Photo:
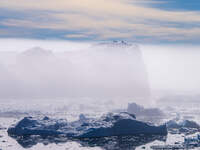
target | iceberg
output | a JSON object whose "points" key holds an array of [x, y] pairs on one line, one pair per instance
{"points": [[106, 70], [182, 126], [134, 108], [152, 115], [112, 124]]}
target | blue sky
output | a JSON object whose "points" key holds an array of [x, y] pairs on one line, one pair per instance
{"points": [[178, 5], [143, 21]]}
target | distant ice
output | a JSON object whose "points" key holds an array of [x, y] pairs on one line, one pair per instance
{"points": [[153, 115]]}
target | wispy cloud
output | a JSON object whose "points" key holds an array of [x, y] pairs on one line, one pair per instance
{"points": [[104, 19]]}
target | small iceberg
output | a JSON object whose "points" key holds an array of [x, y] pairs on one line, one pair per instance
{"points": [[182, 126]]}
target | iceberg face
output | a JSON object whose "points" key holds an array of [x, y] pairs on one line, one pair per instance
{"points": [[121, 124], [33, 126], [36, 51]]}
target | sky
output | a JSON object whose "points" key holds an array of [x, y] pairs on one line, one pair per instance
{"points": [[142, 21]]}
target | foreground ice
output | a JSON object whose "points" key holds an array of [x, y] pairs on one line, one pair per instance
{"points": [[87, 131], [62, 142], [182, 126], [108, 125]]}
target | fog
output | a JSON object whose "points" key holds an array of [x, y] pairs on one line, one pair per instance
{"points": [[101, 70], [173, 68], [63, 69]]}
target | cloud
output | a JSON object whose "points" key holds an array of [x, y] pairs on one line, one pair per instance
{"points": [[76, 36], [104, 19], [105, 8], [110, 30]]}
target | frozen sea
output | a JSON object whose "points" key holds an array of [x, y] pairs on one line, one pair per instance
{"points": [[11, 111]]}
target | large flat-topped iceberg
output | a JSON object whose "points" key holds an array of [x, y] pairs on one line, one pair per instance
{"points": [[105, 70], [117, 44]]}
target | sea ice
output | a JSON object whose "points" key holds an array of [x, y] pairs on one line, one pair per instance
{"points": [[112, 124]]}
